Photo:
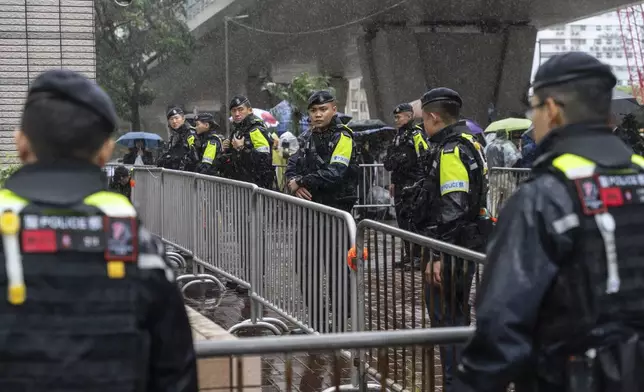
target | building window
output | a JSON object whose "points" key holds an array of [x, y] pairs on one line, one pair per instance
{"points": [[552, 41], [598, 41], [598, 27], [619, 55], [598, 55], [578, 41], [609, 41], [609, 55], [354, 105], [629, 55], [363, 106], [582, 27], [609, 28]]}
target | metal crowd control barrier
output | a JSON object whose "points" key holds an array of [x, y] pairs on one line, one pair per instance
{"points": [[503, 182], [373, 189], [395, 293], [258, 239], [303, 274], [320, 363]]}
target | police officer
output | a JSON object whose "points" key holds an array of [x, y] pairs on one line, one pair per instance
{"points": [[210, 142], [452, 195], [183, 150], [561, 306], [250, 146], [88, 300], [403, 161], [324, 170], [121, 181]]}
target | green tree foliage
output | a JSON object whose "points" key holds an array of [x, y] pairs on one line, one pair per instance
{"points": [[297, 94], [130, 40]]}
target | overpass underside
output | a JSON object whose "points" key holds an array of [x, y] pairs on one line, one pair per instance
{"points": [[481, 48]]}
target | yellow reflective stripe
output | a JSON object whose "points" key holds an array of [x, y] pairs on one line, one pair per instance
{"points": [[419, 142], [259, 142], [16, 289], [9, 200], [191, 140], [574, 166], [343, 150], [112, 204], [453, 173], [638, 160], [210, 153]]}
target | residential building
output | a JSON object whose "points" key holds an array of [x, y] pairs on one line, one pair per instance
{"points": [[600, 36], [357, 106]]}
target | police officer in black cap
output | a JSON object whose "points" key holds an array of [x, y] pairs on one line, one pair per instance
{"points": [[447, 208], [210, 142], [324, 170], [249, 153], [403, 161], [561, 306], [183, 147], [88, 302]]}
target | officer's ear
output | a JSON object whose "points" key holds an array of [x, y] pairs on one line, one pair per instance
{"points": [[105, 152], [23, 146], [554, 111]]}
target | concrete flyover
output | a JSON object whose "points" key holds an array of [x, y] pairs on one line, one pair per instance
{"points": [[482, 48]]}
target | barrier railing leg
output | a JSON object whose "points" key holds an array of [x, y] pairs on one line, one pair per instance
{"points": [[258, 325]]}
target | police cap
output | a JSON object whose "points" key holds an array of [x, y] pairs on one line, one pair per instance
{"points": [[403, 108], [566, 67], [205, 117], [173, 112], [441, 94], [120, 172], [238, 100], [76, 88], [320, 98]]}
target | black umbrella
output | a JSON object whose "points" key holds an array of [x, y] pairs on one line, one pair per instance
{"points": [[623, 104]]}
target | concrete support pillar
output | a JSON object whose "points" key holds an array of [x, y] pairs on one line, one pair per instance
{"points": [[484, 67], [514, 79], [392, 69], [341, 86], [254, 91]]}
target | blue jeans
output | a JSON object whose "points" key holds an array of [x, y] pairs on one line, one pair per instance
{"points": [[451, 309]]}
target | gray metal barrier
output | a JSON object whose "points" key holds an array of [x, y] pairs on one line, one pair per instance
{"points": [[395, 293], [373, 192], [258, 239], [322, 363], [302, 272], [503, 182]]}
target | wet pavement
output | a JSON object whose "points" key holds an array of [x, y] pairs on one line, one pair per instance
{"points": [[393, 300]]}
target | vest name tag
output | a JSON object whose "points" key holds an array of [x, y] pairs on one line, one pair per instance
{"points": [[598, 193], [54, 233], [621, 180], [51, 222]]}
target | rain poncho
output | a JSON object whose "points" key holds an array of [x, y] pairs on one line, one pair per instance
{"points": [[528, 149], [501, 152]]}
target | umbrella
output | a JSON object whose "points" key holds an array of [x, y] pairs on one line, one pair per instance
{"points": [[509, 124], [267, 117], [474, 127], [623, 104], [151, 140]]}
